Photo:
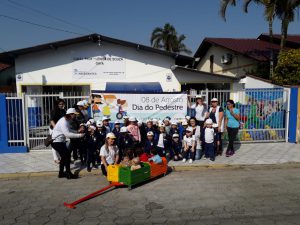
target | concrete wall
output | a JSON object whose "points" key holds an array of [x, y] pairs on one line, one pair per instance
{"points": [[54, 67], [239, 64]]}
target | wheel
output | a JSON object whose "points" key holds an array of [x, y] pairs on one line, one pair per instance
{"points": [[119, 116]]}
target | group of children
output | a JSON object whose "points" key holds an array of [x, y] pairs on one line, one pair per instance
{"points": [[136, 142]]}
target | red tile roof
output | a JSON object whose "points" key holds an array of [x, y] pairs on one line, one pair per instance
{"points": [[253, 48], [291, 38], [3, 66]]}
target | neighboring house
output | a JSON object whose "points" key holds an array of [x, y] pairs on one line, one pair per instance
{"points": [[97, 62], [236, 56], [232, 56]]}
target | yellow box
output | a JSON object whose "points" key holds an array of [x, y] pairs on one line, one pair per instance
{"points": [[113, 173]]}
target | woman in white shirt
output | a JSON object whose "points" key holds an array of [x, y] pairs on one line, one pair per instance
{"points": [[200, 110], [109, 153], [60, 132]]}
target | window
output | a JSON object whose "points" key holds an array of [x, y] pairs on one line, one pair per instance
{"points": [[211, 63]]}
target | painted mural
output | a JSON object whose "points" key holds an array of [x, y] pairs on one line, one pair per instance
{"points": [[262, 115]]}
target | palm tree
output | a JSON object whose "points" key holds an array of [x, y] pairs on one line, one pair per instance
{"points": [[166, 38], [285, 11]]}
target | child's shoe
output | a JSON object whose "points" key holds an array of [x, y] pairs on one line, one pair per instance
{"points": [[184, 160], [190, 161], [89, 170], [204, 157]]}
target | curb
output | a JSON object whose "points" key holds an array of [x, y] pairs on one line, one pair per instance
{"points": [[173, 168]]}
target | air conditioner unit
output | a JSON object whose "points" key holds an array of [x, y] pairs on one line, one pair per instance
{"points": [[226, 58]]}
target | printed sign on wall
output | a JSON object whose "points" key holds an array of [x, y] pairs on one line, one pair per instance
{"points": [[142, 106], [94, 65]]}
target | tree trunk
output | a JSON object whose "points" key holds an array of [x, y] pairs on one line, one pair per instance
{"points": [[284, 29], [271, 49]]}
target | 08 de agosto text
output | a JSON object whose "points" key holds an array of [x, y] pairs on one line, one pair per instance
{"points": [[159, 103]]}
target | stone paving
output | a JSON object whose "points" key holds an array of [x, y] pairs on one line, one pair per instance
{"points": [[249, 196], [247, 154]]}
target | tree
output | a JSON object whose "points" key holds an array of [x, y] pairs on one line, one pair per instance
{"points": [[287, 71], [285, 11], [166, 38], [282, 9]]}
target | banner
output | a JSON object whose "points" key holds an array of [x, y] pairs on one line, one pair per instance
{"points": [[94, 65], [142, 106]]}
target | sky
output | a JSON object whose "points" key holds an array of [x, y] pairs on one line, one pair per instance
{"points": [[129, 20]]}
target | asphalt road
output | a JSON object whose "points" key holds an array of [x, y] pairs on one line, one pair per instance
{"points": [[207, 196]]}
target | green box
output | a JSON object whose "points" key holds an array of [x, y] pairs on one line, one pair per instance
{"points": [[129, 177]]}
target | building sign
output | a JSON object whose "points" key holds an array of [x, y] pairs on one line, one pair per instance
{"points": [[142, 106], [89, 66]]}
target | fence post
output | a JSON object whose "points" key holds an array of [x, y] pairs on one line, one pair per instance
{"points": [[293, 115], [4, 148]]}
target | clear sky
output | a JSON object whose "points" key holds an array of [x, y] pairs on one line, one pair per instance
{"points": [[130, 20]]}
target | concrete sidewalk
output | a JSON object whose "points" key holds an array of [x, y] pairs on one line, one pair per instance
{"points": [[247, 154]]}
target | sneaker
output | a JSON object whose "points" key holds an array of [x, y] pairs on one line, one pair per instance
{"points": [[95, 168], [190, 161], [184, 160], [204, 158], [211, 160]]}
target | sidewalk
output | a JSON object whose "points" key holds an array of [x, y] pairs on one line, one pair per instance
{"points": [[247, 154]]}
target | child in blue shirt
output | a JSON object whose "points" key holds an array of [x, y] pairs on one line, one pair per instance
{"points": [[155, 157]]}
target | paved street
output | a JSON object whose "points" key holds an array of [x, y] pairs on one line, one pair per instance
{"points": [[252, 195], [247, 154]]}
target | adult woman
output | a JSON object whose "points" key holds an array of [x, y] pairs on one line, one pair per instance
{"points": [[200, 110], [62, 131], [232, 125], [196, 132], [216, 114], [109, 153], [57, 113]]}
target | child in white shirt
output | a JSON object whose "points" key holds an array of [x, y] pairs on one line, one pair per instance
{"points": [[189, 145], [209, 138]]}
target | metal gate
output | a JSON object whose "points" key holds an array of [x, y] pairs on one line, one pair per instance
{"points": [[263, 112], [38, 108]]}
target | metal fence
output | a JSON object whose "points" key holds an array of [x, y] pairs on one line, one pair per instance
{"points": [[263, 112]]}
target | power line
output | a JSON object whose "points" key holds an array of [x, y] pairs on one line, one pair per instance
{"points": [[39, 25], [48, 15]]}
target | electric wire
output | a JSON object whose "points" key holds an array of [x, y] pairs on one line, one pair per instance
{"points": [[39, 25], [48, 15]]}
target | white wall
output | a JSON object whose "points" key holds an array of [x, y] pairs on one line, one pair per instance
{"points": [[239, 64], [54, 67], [251, 82]]}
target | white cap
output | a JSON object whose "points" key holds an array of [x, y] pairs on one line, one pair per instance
{"points": [[110, 135], [132, 119], [125, 117], [99, 123], [175, 135], [154, 121], [71, 111], [140, 122], [209, 121], [198, 96], [173, 122], [88, 123], [82, 124], [85, 102], [161, 124], [188, 117], [150, 133], [148, 121], [166, 119], [117, 122], [92, 127], [80, 103], [215, 125], [124, 130], [92, 120], [190, 129], [184, 123], [214, 100], [105, 118]]}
